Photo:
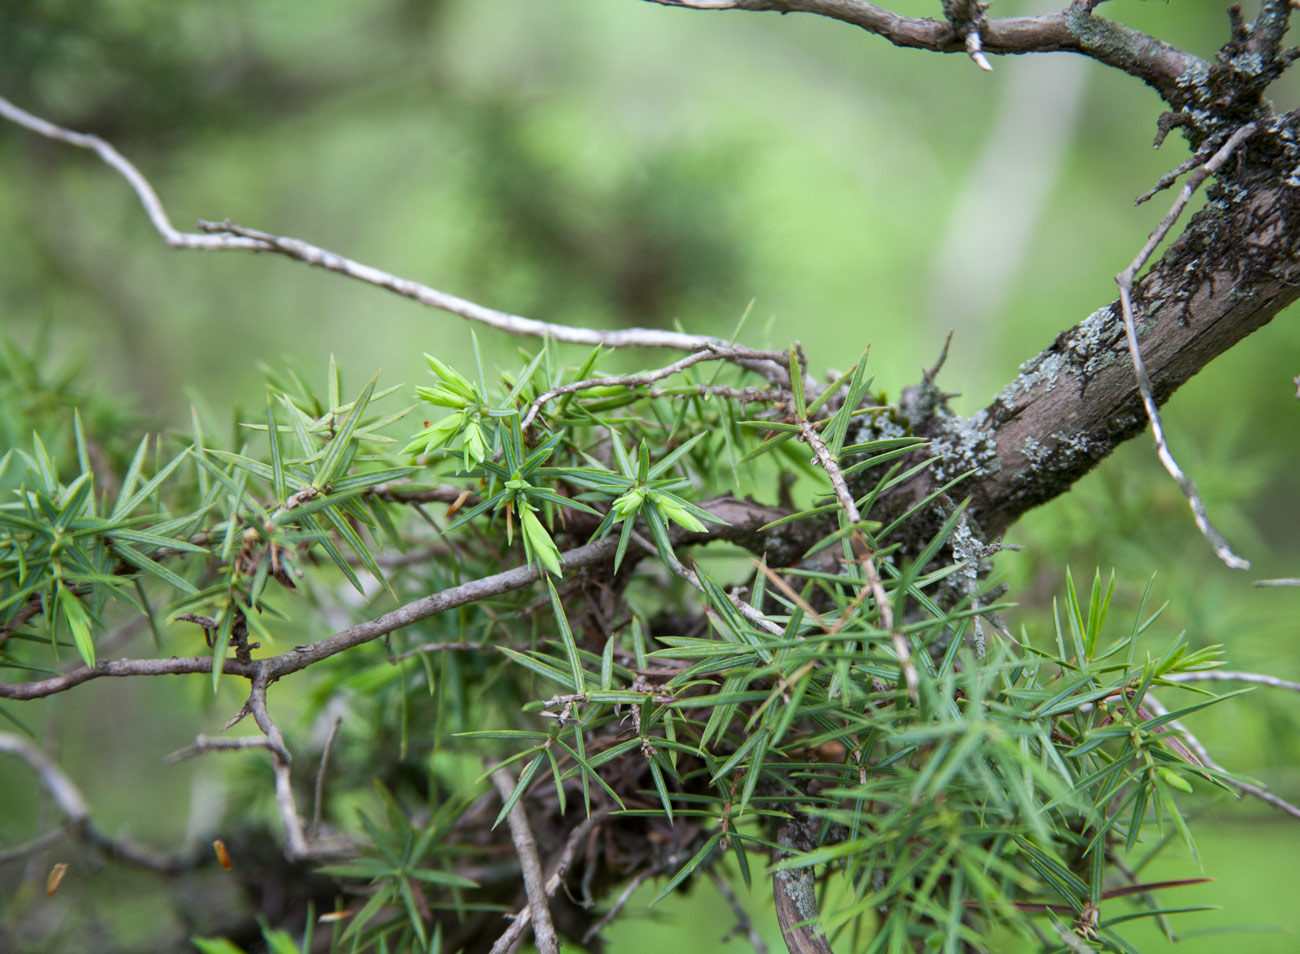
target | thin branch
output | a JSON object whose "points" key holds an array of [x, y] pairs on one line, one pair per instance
{"points": [[319, 798], [865, 557], [1198, 747], [744, 923], [526, 847], [205, 743], [1074, 29], [559, 869], [647, 378], [1173, 175], [741, 518], [641, 877], [62, 789], [224, 236], [1125, 281], [296, 847], [1219, 675]]}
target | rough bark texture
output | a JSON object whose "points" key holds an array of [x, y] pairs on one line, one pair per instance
{"points": [[1230, 272]]}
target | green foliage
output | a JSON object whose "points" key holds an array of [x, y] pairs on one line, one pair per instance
{"points": [[1006, 786]]}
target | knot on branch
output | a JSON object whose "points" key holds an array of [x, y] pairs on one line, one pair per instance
{"points": [[1229, 92], [968, 22]]}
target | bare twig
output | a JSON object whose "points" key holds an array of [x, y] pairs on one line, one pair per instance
{"points": [[526, 847], [62, 789], [1219, 675], [1074, 29], [865, 557], [205, 743], [1125, 281], [223, 236], [1198, 747], [640, 878], [295, 836], [744, 923], [559, 869], [1173, 175], [319, 796]]}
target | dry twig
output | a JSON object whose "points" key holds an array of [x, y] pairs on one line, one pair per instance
{"points": [[865, 557], [522, 835], [227, 236], [1125, 281]]}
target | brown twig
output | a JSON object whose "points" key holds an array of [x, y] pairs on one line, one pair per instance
{"points": [[741, 517], [1074, 29], [1125, 281], [296, 847], [559, 869], [865, 557], [204, 744], [526, 848]]}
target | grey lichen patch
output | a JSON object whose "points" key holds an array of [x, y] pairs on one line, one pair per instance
{"points": [[964, 446], [1081, 352], [801, 887], [1034, 451], [1195, 77]]}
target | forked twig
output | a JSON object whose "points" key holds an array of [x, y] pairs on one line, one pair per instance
{"points": [[559, 869], [1125, 281]]}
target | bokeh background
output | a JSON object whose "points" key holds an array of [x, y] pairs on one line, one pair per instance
{"points": [[610, 163]]}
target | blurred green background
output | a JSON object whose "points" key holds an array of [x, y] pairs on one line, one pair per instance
{"points": [[614, 162]]}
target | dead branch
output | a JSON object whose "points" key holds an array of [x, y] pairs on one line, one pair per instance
{"points": [[526, 847], [226, 236], [1125, 281]]}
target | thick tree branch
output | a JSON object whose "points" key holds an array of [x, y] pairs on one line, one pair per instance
{"points": [[1231, 271], [1075, 29]]}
